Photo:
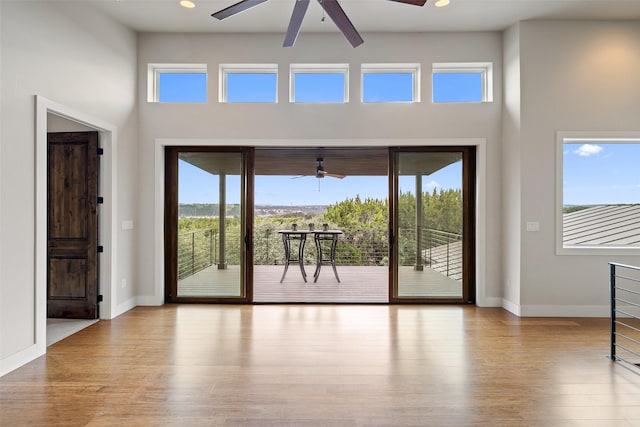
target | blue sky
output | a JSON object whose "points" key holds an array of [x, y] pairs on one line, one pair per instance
{"points": [[601, 173]]}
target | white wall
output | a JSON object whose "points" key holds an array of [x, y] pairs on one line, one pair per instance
{"points": [[575, 76], [78, 59], [511, 170], [349, 122], [59, 124]]}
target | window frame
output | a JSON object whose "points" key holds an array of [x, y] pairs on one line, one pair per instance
{"points": [[413, 69], [484, 68], [226, 69], [585, 137], [318, 69], [153, 80]]}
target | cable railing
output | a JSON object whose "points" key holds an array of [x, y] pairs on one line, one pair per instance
{"points": [[624, 281], [440, 250]]}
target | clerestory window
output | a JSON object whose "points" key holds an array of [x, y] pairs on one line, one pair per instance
{"points": [[177, 83], [390, 83], [462, 82]]}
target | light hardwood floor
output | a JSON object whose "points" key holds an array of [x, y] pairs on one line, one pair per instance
{"points": [[326, 365]]}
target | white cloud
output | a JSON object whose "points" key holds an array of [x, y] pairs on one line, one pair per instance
{"points": [[432, 184], [588, 150]]}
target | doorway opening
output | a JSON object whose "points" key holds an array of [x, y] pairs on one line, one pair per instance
{"points": [[341, 190], [49, 115]]}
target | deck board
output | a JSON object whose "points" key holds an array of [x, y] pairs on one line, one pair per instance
{"points": [[359, 284]]}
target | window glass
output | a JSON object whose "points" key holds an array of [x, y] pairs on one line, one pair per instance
{"points": [[319, 87], [181, 86], [457, 87], [462, 82], [319, 83], [251, 87], [600, 193], [387, 86]]}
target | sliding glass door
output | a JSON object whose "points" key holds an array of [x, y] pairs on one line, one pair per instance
{"points": [[427, 246], [433, 224], [207, 224]]}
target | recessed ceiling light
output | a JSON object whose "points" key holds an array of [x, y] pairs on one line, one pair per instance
{"points": [[188, 4], [442, 3]]}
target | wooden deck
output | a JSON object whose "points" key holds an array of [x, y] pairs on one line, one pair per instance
{"points": [[359, 284]]}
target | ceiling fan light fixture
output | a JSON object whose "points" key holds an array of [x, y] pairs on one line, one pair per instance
{"points": [[187, 4], [442, 3]]}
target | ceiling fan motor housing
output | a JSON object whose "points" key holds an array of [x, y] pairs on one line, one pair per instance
{"points": [[320, 169]]}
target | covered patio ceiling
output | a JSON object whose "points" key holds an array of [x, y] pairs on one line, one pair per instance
{"points": [[302, 161]]}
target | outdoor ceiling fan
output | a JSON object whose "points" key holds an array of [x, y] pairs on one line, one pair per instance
{"points": [[321, 173], [331, 7]]}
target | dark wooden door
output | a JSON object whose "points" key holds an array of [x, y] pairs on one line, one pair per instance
{"points": [[72, 230]]}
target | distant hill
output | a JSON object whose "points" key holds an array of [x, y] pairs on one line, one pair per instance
{"points": [[199, 210]]}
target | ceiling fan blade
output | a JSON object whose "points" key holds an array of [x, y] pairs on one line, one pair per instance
{"points": [[236, 8], [321, 173], [337, 15], [335, 175], [299, 11], [413, 2]]}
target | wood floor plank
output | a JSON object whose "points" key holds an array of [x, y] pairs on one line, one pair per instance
{"points": [[325, 365]]}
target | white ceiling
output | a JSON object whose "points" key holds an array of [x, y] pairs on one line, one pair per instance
{"points": [[366, 15]]}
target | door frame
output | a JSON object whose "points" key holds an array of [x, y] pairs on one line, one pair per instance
{"points": [[469, 223], [107, 225], [171, 220], [481, 298]]}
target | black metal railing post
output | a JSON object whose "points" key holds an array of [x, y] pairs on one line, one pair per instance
{"points": [[193, 252], [612, 286], [267, 234], [211, 247], [448, 241], [215, 246]]}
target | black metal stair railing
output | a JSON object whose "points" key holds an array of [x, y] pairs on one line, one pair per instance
{"points": [[624, 281]]}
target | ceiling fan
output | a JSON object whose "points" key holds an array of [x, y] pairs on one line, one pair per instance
{"points": [[321, 173], [331, 7]]}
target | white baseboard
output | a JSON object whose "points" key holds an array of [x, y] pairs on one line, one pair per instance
{"points": [[556, 310], [511, 307], [489, 302], [19, 359], [565, 310], [150, 301], [124, 307]]}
